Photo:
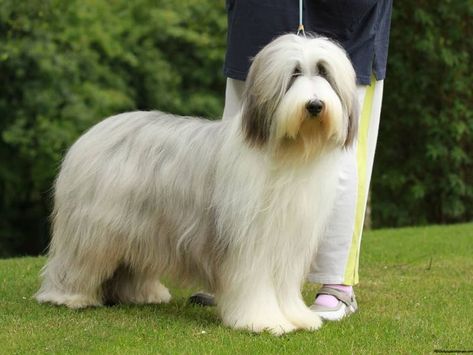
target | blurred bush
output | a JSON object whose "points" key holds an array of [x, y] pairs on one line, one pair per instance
{"points": [[65, 65]]}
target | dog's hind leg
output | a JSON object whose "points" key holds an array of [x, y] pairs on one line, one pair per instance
{"points": [[130, 286], [74, 285], [76, 271]]}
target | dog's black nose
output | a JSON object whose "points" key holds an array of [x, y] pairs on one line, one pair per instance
{"points": [[314, 107]]}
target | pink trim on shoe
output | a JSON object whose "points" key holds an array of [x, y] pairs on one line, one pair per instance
{"points": [[347, 304]]}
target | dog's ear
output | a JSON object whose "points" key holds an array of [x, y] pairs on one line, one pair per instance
{"points": [[353, 119], [265, 87], [255, 117], [256, 108]]}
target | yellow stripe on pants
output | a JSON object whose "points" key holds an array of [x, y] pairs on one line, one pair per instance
{"points": [[351, 269]]}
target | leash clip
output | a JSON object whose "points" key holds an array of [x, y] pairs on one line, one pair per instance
{"points": [[300, 29]]}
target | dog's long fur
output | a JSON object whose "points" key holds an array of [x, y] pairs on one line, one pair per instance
{"points": [[236, 205]]}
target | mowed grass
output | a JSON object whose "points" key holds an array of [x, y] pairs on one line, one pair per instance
{"points": [[415, 296]]}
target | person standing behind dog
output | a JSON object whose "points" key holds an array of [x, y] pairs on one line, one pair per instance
{"points": [[362, 28]]}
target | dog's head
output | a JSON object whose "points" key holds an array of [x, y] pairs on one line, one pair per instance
{"points": [[300, 94]]}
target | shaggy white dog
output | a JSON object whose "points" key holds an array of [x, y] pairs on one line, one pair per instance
{"points": [[236, 205]]}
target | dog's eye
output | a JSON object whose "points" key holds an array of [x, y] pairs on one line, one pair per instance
{"points": [[295, 74], [321, 70], [297, 71]]}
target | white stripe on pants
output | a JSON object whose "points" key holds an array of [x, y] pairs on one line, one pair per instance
{"points": [[336, 261]]}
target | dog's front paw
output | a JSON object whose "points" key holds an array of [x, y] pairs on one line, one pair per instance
{"points": [[158, 294], [150, 293], [306, 319], [278, 328], [301, 316], [281, 329], [274, 326]]}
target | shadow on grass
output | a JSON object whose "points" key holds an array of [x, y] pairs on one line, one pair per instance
{"points": [[178, 310]]}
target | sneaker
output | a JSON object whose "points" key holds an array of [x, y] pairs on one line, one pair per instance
{"points": [[346, 304], [202, 299]]}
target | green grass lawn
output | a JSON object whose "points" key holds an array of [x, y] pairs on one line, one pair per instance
{"points": [[415, 296]]}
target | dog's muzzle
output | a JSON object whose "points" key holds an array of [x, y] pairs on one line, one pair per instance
{"points": [[314, 107]]}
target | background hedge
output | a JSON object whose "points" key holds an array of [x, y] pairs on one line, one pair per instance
{"points": [[64, 65], [424, 163]]}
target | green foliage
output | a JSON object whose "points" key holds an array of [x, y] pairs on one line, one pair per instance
{"points": [[64, 65], [424, 167]]}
